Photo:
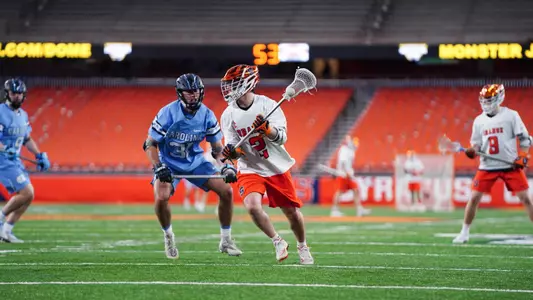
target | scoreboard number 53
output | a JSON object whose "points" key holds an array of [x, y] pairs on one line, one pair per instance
{"points": [[266, 54]]}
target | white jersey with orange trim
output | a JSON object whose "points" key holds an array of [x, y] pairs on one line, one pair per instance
{"points": [[345, 160], [497, 137], [262, 156], [413, 168]]}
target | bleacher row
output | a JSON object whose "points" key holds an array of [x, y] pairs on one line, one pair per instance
{"points": [[86, 129], [243, 22]]}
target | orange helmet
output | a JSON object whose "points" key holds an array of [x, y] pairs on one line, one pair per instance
{"points": [[238, 81], [491, 96]]}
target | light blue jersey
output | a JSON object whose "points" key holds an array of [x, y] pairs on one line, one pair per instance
{"points": [[179, 135], [14, 130]]}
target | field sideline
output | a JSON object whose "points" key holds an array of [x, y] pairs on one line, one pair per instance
{"points": [[114, 252]]}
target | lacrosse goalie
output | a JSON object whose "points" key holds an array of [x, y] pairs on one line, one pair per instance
{"points": [[346, 182], [495, 132], [15, 132], [263, 162], [173, 147], [413, 169]]}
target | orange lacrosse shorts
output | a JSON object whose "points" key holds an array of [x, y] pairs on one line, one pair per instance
{"points": [[344, 184], [279, 188], [414, 186], [515, 180]]}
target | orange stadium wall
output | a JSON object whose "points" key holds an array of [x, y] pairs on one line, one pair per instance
{"points": [[131, 189]]}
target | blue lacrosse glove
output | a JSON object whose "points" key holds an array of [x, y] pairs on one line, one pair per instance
{"points": [[43, 163], [230, 173], [11, 153]]}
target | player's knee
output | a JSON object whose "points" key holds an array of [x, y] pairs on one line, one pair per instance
{"points": [[226, 193], [252, 203], [291, 213], [162, 195], [476, 197], [28, 193], [524, 198]]}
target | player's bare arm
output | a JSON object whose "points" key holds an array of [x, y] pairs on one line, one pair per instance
{"points": [[31, 145], [151, 150]]}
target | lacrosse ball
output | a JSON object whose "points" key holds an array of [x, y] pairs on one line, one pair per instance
{"points": [[289, 92]]}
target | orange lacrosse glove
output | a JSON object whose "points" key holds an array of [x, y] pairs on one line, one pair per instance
{"points": [[471, 153], [521, 160], [262, 125], [231, 153]]}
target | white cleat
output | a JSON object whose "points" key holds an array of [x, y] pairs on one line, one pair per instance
{"points": [[281, 250], [363, 212], [228, 246], [9, 237], [170, 246], [305, 256], [336, 213], [462, 238]]}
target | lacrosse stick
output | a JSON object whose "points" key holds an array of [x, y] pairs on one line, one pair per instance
{"points": [[198, 176], [446, 145], [331, 171], [304, 80], [25, 158]]}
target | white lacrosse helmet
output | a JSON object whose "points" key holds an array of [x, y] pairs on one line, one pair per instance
{"points": [[238, 81], [491, 97]]}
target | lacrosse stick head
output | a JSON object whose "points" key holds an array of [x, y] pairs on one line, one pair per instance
{"points": [[304, 80], [447, 146]]}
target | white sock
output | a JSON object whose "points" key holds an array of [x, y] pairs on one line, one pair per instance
{"points": [[8, 227], [2, 217], [466, 229], [168, 230], [302, 244], [276, 238], [225, 233]]}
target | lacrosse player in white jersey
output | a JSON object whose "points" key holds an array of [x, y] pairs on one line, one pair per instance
{"points": [[263, 162], [346, 183], [495, 132], [413, 169]]}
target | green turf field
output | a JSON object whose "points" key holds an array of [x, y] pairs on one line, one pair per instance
{"points": [[105, 258]]}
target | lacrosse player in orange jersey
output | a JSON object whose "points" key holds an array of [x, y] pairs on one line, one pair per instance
{"points": [[345, 160], [413, 169], [263, 162], [495, 133]]}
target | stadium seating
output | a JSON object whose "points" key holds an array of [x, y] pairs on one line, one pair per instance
{"points": [[312, 21], [400, 119], [104, 128]]}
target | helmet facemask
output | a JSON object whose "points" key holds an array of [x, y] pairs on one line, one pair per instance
{"points": [[16, 87], [190, 83], [491, 97], [238, 81]]}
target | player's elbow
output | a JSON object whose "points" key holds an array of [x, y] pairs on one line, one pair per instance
{"points": [[149, 143], [525, 141], [281, 137]]}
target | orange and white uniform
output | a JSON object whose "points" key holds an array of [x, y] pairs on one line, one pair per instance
{"points": [[265, 165], [413, 169], [497, 137], [345, 160]]}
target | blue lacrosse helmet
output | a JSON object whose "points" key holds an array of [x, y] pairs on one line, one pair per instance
{"points": [[16, 86], [190, 82]]}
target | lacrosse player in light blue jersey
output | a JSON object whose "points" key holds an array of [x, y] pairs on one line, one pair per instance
{"points": [[15, 132], [173, 148]]}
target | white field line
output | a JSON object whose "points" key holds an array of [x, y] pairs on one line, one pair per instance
{"points": [[265, 284], [88, 249], [78, 264], [265, 241]]}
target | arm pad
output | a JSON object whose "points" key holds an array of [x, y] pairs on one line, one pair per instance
{"points": [[26, 140], [281, 137], [525, 141], [149, 143]]}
